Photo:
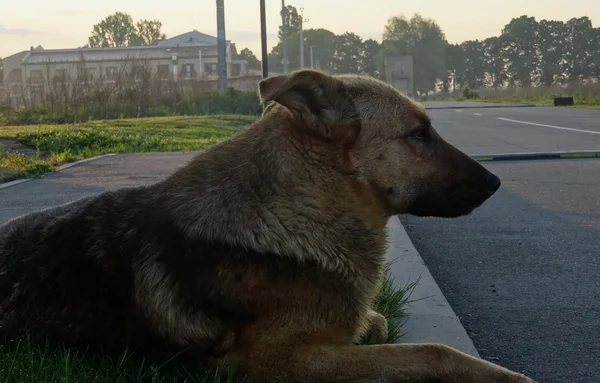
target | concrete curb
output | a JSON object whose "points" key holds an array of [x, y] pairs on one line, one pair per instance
{"points": [[568, 154], [480, 106], [62, 167], [430, 319]]}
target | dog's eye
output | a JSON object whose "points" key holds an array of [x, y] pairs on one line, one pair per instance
{"points": [[421, 135]]}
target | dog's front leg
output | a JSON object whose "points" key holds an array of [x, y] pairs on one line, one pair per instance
{"points": [[397, 363]]}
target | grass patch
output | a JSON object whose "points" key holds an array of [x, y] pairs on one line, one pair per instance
{"points": [[23, 363], [59, 144], [588, 102]]}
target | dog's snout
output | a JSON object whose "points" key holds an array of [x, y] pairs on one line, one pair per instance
{"points": [[492, 182]]}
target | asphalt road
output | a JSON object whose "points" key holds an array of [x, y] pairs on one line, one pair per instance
{"points": [[522, 271], [494, 130]]}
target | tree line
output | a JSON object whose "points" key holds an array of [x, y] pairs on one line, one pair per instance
{"points": [[526, 53]]}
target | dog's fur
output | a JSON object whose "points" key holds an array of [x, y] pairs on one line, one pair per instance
{"points": [[264, 253]]}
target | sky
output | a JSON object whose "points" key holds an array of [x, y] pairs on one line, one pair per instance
{"points": [[68, 23]]}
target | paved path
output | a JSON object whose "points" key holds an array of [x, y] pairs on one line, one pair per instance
{"points": [[87, 179], [522, 271]]}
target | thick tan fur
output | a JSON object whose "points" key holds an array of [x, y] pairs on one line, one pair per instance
{"points": [[284, 233]]}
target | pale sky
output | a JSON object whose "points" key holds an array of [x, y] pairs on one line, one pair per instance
{"points": [[68, 23]]}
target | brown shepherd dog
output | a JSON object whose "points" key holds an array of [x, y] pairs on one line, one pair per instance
{"points": [[264, 253]]}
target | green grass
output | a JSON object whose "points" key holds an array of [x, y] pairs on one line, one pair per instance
{"points": [[585, 102], [59, 144], [23, 362], [588, 102]]}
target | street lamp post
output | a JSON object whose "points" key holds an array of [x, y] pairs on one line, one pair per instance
{"points": [[263, 38], [284, 36], [302, 21], [222, 64]]}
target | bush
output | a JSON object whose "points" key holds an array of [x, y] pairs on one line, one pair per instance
{"points": [[231, 102], [467, 93]]}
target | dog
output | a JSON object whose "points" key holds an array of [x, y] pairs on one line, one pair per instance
{"points": [[263, 253]]}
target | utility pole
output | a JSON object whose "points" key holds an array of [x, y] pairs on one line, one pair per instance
{"points": [[263, 38], [284, 36], [222, 59], [312, 62], [302, 21]]}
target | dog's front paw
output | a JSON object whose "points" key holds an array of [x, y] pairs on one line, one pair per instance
{"points": [[378, 328], [515, 377]]}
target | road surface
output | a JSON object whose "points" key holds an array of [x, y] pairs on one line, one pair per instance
{"points": [[522, 271]]}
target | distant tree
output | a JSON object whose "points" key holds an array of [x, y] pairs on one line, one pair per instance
{"points": [[348, 55], [323, 42], [455, 68], [147, 32], [1, 72], [424, 40], [521, 45], [370, 58], [493, 58], [253, 61], [119, 30], [473, 64], [580, 53], [115, 30], [294, 22]]}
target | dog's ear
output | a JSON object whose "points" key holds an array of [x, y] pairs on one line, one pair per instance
{"points": [[321, 103]]}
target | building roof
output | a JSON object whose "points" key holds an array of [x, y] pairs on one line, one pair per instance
{"points": [[161, 50], [190, 38]]}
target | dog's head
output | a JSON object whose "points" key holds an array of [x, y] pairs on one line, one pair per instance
{"points": [[385, 140]]}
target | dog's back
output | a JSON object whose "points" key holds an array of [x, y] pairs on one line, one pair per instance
{"points": [[63, 275]]}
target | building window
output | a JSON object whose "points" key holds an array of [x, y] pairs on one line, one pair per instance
{"points": [[236, 70], [86, 74], [15, 75], [60, 73], [137, 72], [36, 75], [187, 70], [111, 73], [163, 71], [210, 68]]}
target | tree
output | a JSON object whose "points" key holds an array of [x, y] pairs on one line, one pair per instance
{"points": [[148, 32], [348, 55], [370, 58], [579, 52], [293, 22], [494, 63], [118, 30], [1, 72], [521, 46], [473, 65], [253, 61], [455, 68], [323, 42], [424, 40]]}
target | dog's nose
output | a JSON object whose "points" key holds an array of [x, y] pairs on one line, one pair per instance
{"points": [[492, 182]]}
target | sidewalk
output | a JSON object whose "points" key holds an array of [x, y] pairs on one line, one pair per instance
{"points": [[430, 318]]}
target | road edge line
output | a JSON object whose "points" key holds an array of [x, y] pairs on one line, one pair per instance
{"points": [[566, 154], [429, 316], [62, 167]]}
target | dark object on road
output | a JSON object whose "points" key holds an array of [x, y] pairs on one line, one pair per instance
{"points": [[563, 101], [264, 253]]}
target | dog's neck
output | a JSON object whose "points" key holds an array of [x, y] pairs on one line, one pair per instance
{"points": [[257, 191]]}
